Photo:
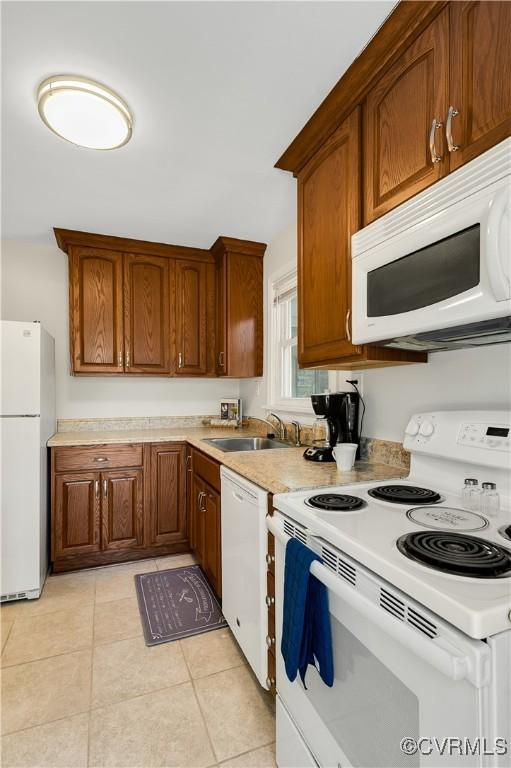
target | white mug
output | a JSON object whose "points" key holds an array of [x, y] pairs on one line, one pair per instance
{"points": [[344, 455]]}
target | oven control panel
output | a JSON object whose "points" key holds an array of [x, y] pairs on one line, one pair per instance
{"points": [[495, 437]]}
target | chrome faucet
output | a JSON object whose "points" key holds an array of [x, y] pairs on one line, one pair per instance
{"points": [[298, 432], [264, 421], [281, 426]]}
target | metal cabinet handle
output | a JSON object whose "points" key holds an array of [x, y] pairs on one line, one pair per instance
{"points": [[435, 158], [221, 356], [120, 359], [105, 489], [96, 486], [451, 146], [270, 682], [127, 359], [180, 360], [201, 495], [100, 459], [348, 332], [269, 601], [189, 462], [270, 641], [270, 559]]}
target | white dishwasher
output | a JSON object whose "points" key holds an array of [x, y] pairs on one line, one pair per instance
{"points": [[244, 547]]}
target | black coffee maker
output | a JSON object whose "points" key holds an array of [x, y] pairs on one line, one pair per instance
{"points": [[341, 413]]}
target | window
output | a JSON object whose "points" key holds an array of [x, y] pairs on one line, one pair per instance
{"points": [[290, 386]]}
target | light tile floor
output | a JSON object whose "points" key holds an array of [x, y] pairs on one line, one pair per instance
{"points": [[80, 688]]}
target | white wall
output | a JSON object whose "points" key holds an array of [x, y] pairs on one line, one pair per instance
{"points": [[471, 378], [35, 287]]}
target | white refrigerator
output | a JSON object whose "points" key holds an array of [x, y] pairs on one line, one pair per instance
{"points": [[27, 421]]}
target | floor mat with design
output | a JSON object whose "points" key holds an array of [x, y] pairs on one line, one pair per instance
{"points": [[176, 603]]}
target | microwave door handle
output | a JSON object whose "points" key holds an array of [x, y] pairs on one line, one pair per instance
{"points": [[498, 234], [449, 661]]}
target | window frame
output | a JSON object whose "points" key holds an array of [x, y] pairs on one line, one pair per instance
{"points": [[289, 405]]}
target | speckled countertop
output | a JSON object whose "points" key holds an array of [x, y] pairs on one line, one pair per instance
{"points": [[277, 471]]}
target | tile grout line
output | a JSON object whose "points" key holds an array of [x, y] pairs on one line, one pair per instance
{"points": [[91, 678], [247, 752], [201, 713]]}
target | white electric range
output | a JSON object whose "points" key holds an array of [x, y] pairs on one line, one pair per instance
{"points": [[420, 603]]}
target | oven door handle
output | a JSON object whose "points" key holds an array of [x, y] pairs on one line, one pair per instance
{"points": [[447, 659], [498, 232]]}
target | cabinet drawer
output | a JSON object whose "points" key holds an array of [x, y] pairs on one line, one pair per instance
{"points": [[97, 457], [208, 469]]}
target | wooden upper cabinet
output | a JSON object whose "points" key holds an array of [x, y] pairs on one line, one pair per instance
{"points": [[239, 307], [168, 494], [328, 214], [96, 310], [399, 114], [480, 77], [191, 315], [122, 509], [146, 314]]}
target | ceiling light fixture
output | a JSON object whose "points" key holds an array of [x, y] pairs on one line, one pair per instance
{"points": [[84, 112]]}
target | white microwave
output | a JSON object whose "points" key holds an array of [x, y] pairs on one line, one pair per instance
{"points": [[435, 273]]}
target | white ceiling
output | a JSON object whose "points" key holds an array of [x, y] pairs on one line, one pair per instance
{"points": [[218, 91]]}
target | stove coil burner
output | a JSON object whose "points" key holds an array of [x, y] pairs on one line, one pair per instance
{"points": [[404, 494], [505, 531], [456, 553], [335, 502]]}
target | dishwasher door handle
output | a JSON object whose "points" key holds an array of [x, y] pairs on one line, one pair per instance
{"points": [[238, 496]]}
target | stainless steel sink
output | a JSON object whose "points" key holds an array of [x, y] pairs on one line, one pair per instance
{"points": [[246, 443]]}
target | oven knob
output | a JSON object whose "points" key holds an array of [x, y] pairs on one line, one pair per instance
{"points": [[412, 428], [427, 429]]}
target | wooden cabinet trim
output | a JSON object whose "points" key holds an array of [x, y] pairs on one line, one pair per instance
{"points": [[68, 238]]}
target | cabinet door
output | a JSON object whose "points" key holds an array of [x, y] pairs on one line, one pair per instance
{"points": [[96, 310], [328, 214], [198, 516], [168, 493], [211, 561], [244, 353], [76, 523], [400, 110], [146, 313], [191, 318], [190, 508], [480, 35], [122, 509]]}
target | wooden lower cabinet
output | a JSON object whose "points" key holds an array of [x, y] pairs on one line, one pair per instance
{"points": [[168, 504], [168, 494], [205, 517], [212, 557], [121, 513], [76, 515], [122, 509]]}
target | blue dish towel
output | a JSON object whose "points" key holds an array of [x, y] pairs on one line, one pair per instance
{"points": [[306, 632]]}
